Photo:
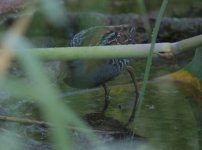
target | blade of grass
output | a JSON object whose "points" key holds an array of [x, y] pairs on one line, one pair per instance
{"points": [[17, 88], [46, 96], [54, 110], [143, 11], [9, 141], [149, 59]]}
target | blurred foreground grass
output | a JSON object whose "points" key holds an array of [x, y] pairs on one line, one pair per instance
{"points": [[39, 88]]}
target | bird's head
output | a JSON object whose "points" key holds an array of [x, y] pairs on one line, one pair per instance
{"points": [[105, 35]]}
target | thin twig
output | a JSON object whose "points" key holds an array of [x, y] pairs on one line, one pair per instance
{"points": [[43, 123], [23, 120]]}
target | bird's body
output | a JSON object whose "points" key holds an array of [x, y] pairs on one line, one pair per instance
{"points": [[92, 73]]}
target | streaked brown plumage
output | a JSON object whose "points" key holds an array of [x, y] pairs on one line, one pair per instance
{"points": [[93, 73]]}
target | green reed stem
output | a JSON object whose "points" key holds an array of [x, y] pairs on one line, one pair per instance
{"points": [[149, 59], [143, 11], [117, 51]]}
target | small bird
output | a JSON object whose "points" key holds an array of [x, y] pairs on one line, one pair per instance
{"points": [[93, 73]]}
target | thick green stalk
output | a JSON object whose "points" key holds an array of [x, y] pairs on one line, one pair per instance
{"points": [[118, 51], [99, 52], [187, 44]]}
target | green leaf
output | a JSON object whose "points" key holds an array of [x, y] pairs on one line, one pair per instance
{"points": [[196, 64]]}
